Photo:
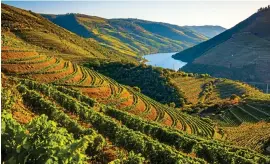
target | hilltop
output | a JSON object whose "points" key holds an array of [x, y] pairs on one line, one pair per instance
{"points": [[131, 36], [207, 30], [43, 35], [241, 52]]}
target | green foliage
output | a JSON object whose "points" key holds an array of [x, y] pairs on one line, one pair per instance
{"points": [[40, 141], [182, 102], [95, 142], [131, 159], [152, 82], [153, 141], [7, 98], [207, 90], [118, 134], [172, 105], [204, 148], [137, 89], [187, 143]]}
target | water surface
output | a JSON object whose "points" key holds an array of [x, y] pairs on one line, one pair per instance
{"points": [[164, 60]]}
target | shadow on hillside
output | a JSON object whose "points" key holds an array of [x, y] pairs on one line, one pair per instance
{"points": [[225, 90]]}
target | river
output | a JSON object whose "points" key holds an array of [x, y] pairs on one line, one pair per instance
{"points": [[164, 60]]}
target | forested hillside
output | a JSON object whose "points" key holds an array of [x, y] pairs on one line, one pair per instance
{"points": [[147, 79]]}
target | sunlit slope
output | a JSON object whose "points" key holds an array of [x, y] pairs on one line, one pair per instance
{"points": [[36, 30], [130, 36], [241, 52], [201, 88], [254, 136], [229, 102], [105, 130], [48, 69]]}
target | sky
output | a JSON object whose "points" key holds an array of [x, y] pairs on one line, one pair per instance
{"points": [[193, 12]]}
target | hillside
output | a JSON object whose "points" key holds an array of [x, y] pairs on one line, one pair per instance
{"points": [[196, 94], [43, 35], [86, 121], [130, 36], [147, 79], [208, 31], [254, 136], [241, 52], [56, 71], [68, 99]]}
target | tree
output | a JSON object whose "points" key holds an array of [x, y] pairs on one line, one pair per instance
{"points": [[172, 104], [137, 89], [182, 101]]}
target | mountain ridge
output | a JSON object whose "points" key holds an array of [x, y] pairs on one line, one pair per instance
{"points": [[240, 53], [131, 35], [38, 31], [208, 30]]}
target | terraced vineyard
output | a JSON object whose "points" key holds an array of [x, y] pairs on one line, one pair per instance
{"points": [[192, 87], [253, 107], [95, 125], [254, 136], [27, 29], [196, 88], [246, 112], [56, 71], [54, 110]]}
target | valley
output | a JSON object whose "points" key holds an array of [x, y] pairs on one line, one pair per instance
{"points": [[83, 89], [134, 36]]}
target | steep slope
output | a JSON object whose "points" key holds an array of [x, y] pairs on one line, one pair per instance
{"points": [[131, 36], [37, 31], [208, 30], [90, 130], [241, 52], [56, 71], [147, 79], [255, 139]]}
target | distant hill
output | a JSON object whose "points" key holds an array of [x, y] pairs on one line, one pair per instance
{"points": [[208, 30], [56, 110], [35, 30], [241, 52], [131, 36]]}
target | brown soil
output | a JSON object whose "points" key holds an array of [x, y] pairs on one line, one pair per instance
{"points": [[99, 92], [15, 55], [54, 76], [22, 114], [167, 120], [152, 115], [23, 68]]}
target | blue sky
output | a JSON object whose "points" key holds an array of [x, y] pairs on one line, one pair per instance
{"points": [[215, 12]]}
